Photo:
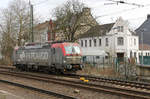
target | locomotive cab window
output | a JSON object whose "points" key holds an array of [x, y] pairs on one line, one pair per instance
{"points": [[72, 50]]}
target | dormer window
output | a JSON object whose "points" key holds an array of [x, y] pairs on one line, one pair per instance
{"points": [[120, 28], [120, 41]]}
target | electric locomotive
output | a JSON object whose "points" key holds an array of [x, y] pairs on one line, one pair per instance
{"points": [[51, 56]]}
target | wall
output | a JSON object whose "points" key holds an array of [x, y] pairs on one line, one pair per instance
{"points": [[41, 35]]}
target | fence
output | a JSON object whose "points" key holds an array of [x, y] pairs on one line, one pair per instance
{"points": [[146, 60], [124, 66], [96, 60]]}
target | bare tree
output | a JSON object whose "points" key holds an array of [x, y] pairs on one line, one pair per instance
{"points": [[14, 26], [7, 40], [68, 18]]}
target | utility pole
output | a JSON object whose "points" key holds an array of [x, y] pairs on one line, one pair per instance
{"points": [[31, 23], [142, 32], [142, 48], [32, 38]]}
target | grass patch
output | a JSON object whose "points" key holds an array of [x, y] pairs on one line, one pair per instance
{"points": [[106, 71], [7, 61]]}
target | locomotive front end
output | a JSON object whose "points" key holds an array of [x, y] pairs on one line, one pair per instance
{"points": [[72, 58]]}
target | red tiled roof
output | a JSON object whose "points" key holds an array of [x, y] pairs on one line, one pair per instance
{"points": [[42, 25], [145, 47]]}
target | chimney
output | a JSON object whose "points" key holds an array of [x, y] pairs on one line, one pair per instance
{"points": [[148, 16], [86, 11], [50, 33]]}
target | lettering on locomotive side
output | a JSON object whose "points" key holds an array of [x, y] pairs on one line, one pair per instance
{"points": [[22, 56], [33, 56]]}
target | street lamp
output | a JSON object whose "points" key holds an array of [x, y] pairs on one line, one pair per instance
{"points": [[142, 47], [142, 31]]}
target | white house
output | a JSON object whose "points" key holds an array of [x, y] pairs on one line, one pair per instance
{"points": [[114, 39]]}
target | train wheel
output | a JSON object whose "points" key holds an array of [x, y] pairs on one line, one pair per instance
{"points": [[18, 68], [58, 71]]}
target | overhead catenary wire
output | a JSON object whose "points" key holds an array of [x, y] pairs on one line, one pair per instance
{"points": [[124, 2], [113, 13], [125, 10], [40, 3], [122, 11], [139, 6]]}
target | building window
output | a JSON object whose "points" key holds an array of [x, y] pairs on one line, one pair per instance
{"points": [[120, 28], [130, 54], [81, 43], [106, 41], [135, 54], [97, 57], [85, 43], [84, 58], [90, 43], [134, 41], [95, 42], [120, 41], [146, 54], [99, 42]]}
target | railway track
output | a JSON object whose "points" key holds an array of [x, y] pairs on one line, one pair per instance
{"points": [[120, 82], [89, 86], [127, 83], [7, 67], [38, 90]]}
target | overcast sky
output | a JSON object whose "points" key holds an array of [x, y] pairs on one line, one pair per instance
{"points": [[101, 9]]}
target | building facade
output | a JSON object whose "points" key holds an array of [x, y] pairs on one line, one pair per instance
{"points": [[40, 32], [144, 31], [144, 54], [86, 20], [114, 39]]}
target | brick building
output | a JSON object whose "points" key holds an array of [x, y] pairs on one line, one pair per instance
{"points": [[41, 30]]}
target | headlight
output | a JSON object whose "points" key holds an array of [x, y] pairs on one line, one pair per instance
{"points": [[81, 66], [69, 66], [64, 61]]}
